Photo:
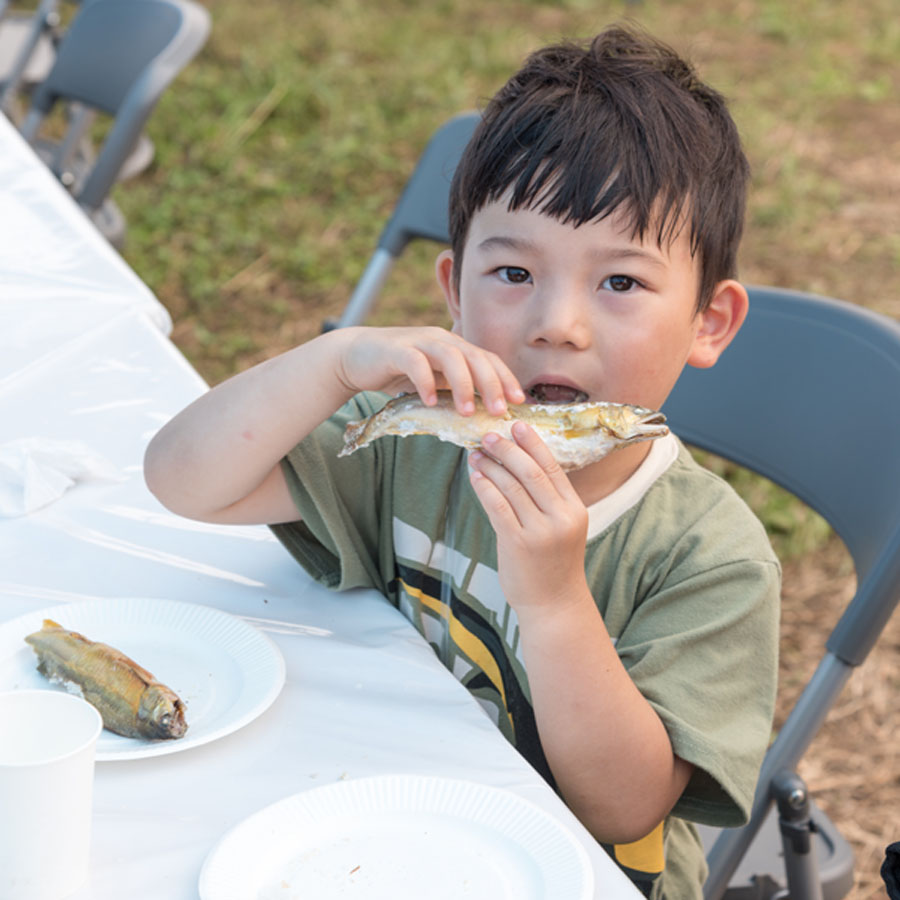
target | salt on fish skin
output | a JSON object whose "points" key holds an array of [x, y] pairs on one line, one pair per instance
{"points": [[577, 434]]}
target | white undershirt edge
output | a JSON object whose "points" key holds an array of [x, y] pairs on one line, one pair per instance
{"points": [[663, 452]]}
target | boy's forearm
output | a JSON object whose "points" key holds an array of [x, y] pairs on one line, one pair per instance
{"points": [[227, 442], [607, 748]]}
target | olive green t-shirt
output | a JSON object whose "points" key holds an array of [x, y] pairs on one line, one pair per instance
{"points": [[685, 580]]}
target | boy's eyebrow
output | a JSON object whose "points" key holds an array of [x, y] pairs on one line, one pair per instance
{"points": [[507, 242], [524, 245], [633, 253]]}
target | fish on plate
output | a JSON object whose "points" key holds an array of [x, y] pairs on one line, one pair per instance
{"points": [[129, 698], [577, 434]]}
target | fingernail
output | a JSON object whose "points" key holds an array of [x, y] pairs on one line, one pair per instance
{"points": [[490, 438], [475, 457], [499, 407], [468, 408]]}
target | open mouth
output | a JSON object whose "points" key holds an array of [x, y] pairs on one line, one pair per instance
{"points": [[555, 393]]}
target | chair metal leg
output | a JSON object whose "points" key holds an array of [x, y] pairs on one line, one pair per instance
{"points": [[795, 736], [367, 289], [797, 829]]}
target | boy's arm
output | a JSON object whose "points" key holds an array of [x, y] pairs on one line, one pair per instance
{"points": [[218, 460], [609, 752]]}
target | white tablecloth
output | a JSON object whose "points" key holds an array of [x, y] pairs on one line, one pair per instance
{"points": [[84, 356]]}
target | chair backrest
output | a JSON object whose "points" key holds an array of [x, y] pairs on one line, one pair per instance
{"points": [[421, 212], [118, 58], [808, 395]]}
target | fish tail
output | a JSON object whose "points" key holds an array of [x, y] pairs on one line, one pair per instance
{"points": [[354, 437]]}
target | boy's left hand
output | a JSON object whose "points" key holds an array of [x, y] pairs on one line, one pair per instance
{"points": [[540, 521]]}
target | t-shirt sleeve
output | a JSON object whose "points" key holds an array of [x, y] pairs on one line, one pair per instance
{"points": [[337, 536], [702, 644]]}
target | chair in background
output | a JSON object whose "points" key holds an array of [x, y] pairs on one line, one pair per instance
{"points": [[28, 45], [806, 396], [421, 212], [117, 57], [27, 49]]}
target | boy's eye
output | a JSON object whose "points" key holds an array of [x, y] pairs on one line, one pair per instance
{"points": [[620, 283], [514, 274]]}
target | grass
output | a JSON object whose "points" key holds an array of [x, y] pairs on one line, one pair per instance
{"points": [[281, 149]]}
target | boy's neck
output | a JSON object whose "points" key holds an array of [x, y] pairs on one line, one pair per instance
{"points": [[600, 479]]}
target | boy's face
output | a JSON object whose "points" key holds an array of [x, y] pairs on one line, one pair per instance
{"points": [[581, 311]]}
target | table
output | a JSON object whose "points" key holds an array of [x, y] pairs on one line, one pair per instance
{"points": [[364, 693]]}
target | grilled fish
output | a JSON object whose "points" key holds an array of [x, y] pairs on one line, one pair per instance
{"points": [[577, 434], [130, 700]]}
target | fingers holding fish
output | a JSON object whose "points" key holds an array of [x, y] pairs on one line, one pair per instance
{"points": [[530, 486], [523, 462], [427, 360], [466, 371], [494, 382], [541, 524], [529, 440]]}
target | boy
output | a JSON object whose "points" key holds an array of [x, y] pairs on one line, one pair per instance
{"points": [[618, 622]]}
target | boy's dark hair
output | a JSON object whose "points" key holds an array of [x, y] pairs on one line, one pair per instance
{"points": [[619, 124]]}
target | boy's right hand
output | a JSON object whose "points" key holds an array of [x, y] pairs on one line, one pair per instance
{"points": [[425, 360]]}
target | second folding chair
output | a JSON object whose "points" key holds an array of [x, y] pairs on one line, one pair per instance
{"points": [[117, 57]]}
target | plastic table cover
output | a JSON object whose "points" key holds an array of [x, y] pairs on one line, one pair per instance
{"points": [[364, 694], [59, 278]]}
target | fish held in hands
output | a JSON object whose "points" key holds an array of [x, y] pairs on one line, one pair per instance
{"points": [[130, 700], [577, 434]]}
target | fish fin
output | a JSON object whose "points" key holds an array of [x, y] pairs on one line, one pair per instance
{"points": [[49, 623]]}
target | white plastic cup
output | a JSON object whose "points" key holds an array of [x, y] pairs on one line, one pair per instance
{"points": [[48, 741]]}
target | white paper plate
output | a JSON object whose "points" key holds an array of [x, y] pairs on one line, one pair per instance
{"points": [[399, 836], [225, 670]]}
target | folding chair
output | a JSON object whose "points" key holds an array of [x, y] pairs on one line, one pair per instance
{"points": [[27, 48], [806, 396], [117, 57]]}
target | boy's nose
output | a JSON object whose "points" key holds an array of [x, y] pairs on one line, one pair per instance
{"points": [[560, 319]]}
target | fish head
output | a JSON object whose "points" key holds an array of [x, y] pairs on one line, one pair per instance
{"points": [[630, 424], [163, 711]]}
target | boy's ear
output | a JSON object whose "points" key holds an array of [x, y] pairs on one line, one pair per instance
{"points": [[719, 323], [443, 269]]}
